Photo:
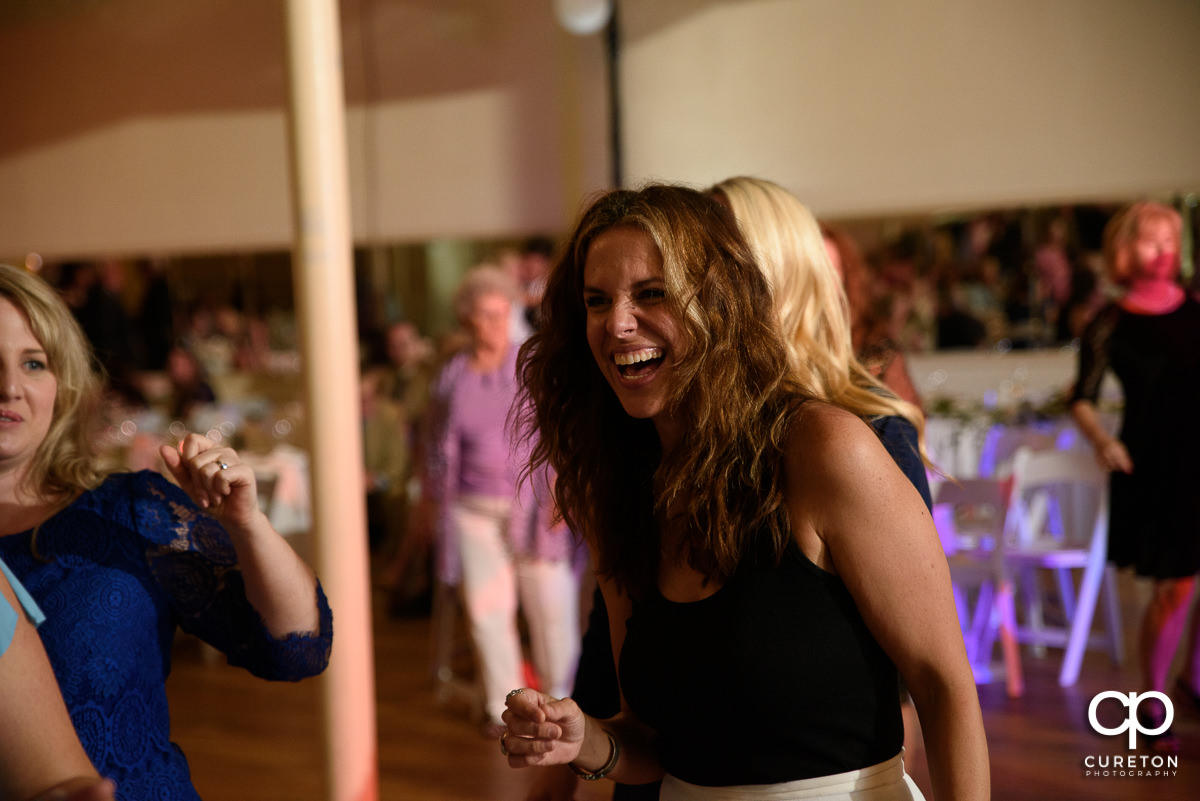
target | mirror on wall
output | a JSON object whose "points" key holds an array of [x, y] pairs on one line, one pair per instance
{"points": [[1004, 279], [993, 280]]}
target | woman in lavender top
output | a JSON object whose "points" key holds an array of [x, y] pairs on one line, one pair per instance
{"points": [[497, 536]]}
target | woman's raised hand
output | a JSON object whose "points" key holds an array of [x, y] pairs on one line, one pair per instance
{"points": [[542, 730], [215, 478]]}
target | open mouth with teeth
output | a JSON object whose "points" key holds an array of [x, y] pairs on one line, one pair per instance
{"points": [[638, 363]]}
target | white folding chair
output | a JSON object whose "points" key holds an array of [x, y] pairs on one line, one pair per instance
{"points": [[970, 516], [1003, 441], [1058, 522]]}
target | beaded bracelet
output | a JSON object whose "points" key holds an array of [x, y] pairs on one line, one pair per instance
{"points": [[608, 766]]}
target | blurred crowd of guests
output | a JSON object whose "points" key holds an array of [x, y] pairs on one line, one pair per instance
{"points": [[153, 348], [1022, 279], [1016, 279], [997, 281], [445, 506]]}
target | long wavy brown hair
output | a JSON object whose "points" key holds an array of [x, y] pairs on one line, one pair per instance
{"points": [[716, 497]]}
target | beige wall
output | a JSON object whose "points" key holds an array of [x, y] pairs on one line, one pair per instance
{"points": [[173, 184], [867, 107], [142, 126]]}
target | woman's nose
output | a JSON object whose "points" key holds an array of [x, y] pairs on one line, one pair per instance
{"points": [[622, 319], [9, 386]]}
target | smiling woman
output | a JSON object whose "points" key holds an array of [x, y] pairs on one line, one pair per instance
{"points": [[636, 275], [630, 327], [736, 523]]}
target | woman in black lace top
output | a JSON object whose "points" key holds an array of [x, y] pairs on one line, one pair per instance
{"points": [[1150, 338]]}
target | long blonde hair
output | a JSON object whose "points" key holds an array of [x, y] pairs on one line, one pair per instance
{"points": [[809, 300]]}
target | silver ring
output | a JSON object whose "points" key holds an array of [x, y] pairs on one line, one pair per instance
{"points": [[222, 465], [503, 749], [511, 693]]}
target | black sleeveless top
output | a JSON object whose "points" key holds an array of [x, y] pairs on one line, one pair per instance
{"points": [[772, 679]]}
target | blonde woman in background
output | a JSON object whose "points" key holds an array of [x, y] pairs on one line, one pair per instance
{"points": [[815, 317]]}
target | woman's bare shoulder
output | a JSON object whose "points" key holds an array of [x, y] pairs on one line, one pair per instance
{"points": [[819, 425], [829, 446]]}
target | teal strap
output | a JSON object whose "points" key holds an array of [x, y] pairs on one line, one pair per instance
{"points": [[8, 616]]}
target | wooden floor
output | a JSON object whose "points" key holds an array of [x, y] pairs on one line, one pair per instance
{"points": [[249, 740]]}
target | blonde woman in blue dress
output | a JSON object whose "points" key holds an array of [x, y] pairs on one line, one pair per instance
{"points": [[119, 561]]}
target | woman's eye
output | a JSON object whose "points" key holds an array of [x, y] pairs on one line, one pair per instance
{"points": [[35, 364], [595, 301], [653, 294]]}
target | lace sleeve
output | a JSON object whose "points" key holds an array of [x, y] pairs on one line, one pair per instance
{"points": [[1093, 355], [193, 560]]}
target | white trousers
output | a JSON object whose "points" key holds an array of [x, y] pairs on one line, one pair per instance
{"points": [[492, 583], [886, 781]]}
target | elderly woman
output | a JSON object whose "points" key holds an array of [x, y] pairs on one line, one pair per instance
{"points": [[119, 561], [498, 535], [1150, 339], [738, 524]]}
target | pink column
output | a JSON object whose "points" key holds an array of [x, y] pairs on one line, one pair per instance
{"points": [[323, 273]]}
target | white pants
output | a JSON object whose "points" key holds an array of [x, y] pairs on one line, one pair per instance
{"points": [[886, 781], [492, 582]]}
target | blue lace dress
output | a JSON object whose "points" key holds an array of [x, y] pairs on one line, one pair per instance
{"points": [[120, 569]]}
